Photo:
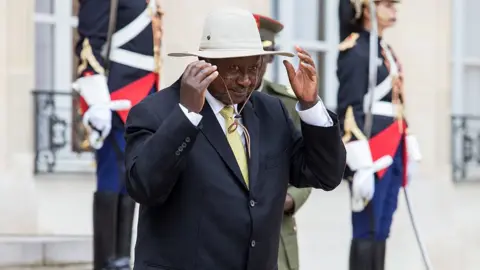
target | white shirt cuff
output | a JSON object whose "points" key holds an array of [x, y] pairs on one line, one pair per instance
{"points": [[315, 116], [194, 117]]}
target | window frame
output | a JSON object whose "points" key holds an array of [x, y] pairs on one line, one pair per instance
{"points": [[458, 37], [459, 60], [64, 23], [284, 11]]}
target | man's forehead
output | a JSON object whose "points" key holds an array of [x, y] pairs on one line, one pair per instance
{"points": [[250, 60]]}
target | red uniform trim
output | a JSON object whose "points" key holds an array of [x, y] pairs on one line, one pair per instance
{"points": [[386, 143], [157, 81], [135, 92], [259, 17]]}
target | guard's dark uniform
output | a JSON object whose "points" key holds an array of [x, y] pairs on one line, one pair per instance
{"points": [[132, 76], [371, 227], [288, 257]]}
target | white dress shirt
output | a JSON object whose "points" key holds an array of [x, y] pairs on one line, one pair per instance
{"points": [[315, 116]]}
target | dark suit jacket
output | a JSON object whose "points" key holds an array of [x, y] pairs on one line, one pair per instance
{"points": [[196, 211], [288, 256]]}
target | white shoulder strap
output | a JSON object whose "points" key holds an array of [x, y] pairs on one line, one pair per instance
{"points": [[134, 28], [390, 58]]}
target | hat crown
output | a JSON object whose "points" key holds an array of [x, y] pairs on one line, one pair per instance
{"points": [[230, 29]]}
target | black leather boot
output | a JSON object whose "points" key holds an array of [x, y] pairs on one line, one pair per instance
{"points": [[126, 208], [380, 247], [105, 207], [362, 254]]}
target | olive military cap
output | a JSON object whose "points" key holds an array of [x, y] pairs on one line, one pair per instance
{"points": [[268, 28]]}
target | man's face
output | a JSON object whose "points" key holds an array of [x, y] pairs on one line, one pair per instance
{"points": [[386, 13], [238, 75]]}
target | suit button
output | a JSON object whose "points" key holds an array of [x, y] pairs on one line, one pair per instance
{"points": [[180, 149], [187, 139], [177, 153], [184, 145], [252, 244], [252, 203]]}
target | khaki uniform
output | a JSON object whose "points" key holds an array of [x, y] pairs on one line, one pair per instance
{"points": [[288, 258]]}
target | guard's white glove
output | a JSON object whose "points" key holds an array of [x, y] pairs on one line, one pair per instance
{"points": [[414, 156], [359, 159], [363, 183], [411, 169], [413, 148], [98, 117]]}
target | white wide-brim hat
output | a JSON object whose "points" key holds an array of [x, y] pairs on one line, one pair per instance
{"points": [[230, 33]]}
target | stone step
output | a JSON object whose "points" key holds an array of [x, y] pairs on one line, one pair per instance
{"points": [[45, 251]]}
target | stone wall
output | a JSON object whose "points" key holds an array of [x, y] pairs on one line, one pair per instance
{"points": [[18, 203]]}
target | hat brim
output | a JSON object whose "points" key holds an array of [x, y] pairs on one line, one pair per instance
{"points": [[220, 54]]}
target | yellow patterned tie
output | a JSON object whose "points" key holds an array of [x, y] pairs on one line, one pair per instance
{"points": [[235, 142]]}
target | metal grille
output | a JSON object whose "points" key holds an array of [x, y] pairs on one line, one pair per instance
{"points": [[465, 148], [55, 133]]}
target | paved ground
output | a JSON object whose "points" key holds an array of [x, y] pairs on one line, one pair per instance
{"points": [[447, 216], [81, 267]]}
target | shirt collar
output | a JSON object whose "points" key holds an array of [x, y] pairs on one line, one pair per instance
{"points": [[215, 104]]}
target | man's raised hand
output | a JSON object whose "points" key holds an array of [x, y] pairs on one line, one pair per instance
{"points": [[304, 80], [195, 80]]}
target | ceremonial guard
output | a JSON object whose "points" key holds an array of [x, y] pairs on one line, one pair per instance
{"points": [[377, 153], [288, 258], [118, 67]]}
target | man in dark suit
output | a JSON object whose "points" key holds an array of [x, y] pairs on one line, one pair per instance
{"points": [[210, 169], [288, 255]]}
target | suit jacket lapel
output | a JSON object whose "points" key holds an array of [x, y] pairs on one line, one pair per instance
{"points": [[214, 134], [252, 123]]}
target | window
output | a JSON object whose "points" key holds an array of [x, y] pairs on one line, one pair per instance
{"points": [[55, 61], [465, 90], [466, 58], [311, 24], [44, 48], [44, 6]]}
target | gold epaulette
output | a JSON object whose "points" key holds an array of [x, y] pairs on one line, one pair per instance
{"points": [[351, 128], [87, 57], [349, 42]]}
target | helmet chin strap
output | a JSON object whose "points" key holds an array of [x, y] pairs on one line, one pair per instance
{"points": [[237, 114]]}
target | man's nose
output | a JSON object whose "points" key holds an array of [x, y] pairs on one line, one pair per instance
{"points": [[244, 81]]}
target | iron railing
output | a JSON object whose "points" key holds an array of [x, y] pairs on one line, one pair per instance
{"points": [[55, 132], [54, 122], [465, 149]]}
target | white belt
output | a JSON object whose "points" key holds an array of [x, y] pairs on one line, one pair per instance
{"points": [[379, 92], [384, 108], [134, 28], [132, 59]]}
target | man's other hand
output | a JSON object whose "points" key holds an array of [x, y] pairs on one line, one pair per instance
{"points": [[289, 205]]}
